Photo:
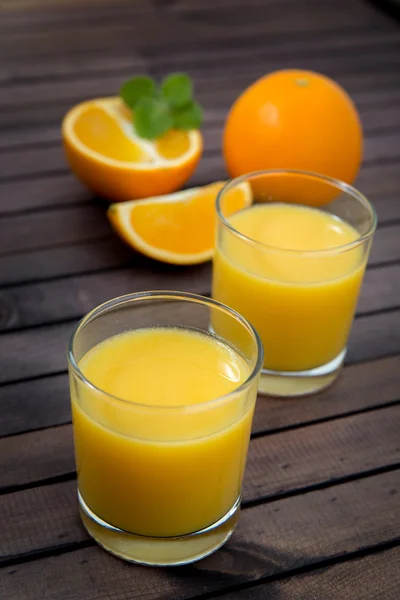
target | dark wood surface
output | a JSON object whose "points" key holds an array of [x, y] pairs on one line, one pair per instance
{"points": [[321, 516]]}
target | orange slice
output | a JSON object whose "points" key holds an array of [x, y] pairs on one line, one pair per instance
{"points": [[107, 155], [178, 228]]}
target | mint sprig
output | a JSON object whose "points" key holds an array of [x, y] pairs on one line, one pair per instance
{"points": [[177, 90], [157, 110], [152, 118], [189, 116], [135, 89]]}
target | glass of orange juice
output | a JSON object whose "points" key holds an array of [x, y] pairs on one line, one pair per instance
{"points": [[292, 263], [162, 410]]}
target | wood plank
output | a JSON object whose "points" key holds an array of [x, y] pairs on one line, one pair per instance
{"points": [[194, 57], [40, 8], [75, 67], [327, 523], [374, 337], [73, 297], [184, 26], [263, 545], [212, 65], [38, 161], [277, 464], [360, 387], [87, 257], [381, 290], [48, 191], [54, 228], [44, 402], [322, 453], [356, 579], [220, 90], [42, 303], [379, 148], [384, 245], [81, 258], [376, 120], [68, 12], [39, 403], [368, 578], [41, 351], [379, 183], [44, 461], [72, 225]]}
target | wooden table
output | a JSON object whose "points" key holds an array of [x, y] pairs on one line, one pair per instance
{"points": [[321, 518]]}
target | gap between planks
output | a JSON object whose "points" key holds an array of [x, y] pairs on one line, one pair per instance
{"points": [[43, 402], [148, 33], [107, 71], [255, 542], [68, 298], [252, 590], [70, 475]]}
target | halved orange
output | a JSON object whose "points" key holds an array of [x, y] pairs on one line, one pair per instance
{"points": [[177, 228], [106, 154]]}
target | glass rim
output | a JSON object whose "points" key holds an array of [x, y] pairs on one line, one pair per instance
{"points": [[166, 295], [341, 185]]}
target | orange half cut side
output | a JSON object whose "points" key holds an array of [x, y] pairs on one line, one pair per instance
{"points": [[106, 154]]}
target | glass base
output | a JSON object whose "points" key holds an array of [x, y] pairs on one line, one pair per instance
{"points": [[291, 384], [160, 552]]}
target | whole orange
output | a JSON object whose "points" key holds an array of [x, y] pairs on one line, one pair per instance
{"points": [[294, 119]]}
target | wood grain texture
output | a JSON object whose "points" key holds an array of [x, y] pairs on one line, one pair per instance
{"points": [[380, 183], [56, 190], [19, 5], [376, 121], [279, 463], [105, 254], [44, 402], [37, 162], [82, 10], [41, 351], [71, 298], [217, 90], [264, 544], [386, 245], [99, 255], [77, 224], [360, 579], [208, 66], [195, 57], [322, 484], [185, 25], [53, 228], [34, 404]]}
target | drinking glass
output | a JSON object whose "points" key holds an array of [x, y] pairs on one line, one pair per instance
{"points": [[301, 301], [160, 484]]}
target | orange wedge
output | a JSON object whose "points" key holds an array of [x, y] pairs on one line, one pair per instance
{"points": [[178, 228], [107, 155]]}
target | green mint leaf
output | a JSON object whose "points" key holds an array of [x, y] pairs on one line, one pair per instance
{"points": [[177, 89], [189, 116], [136, 88], [152, 118]]}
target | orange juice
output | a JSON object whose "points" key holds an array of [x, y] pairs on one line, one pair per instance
{"points": [[300, 301], [155, 460]]}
